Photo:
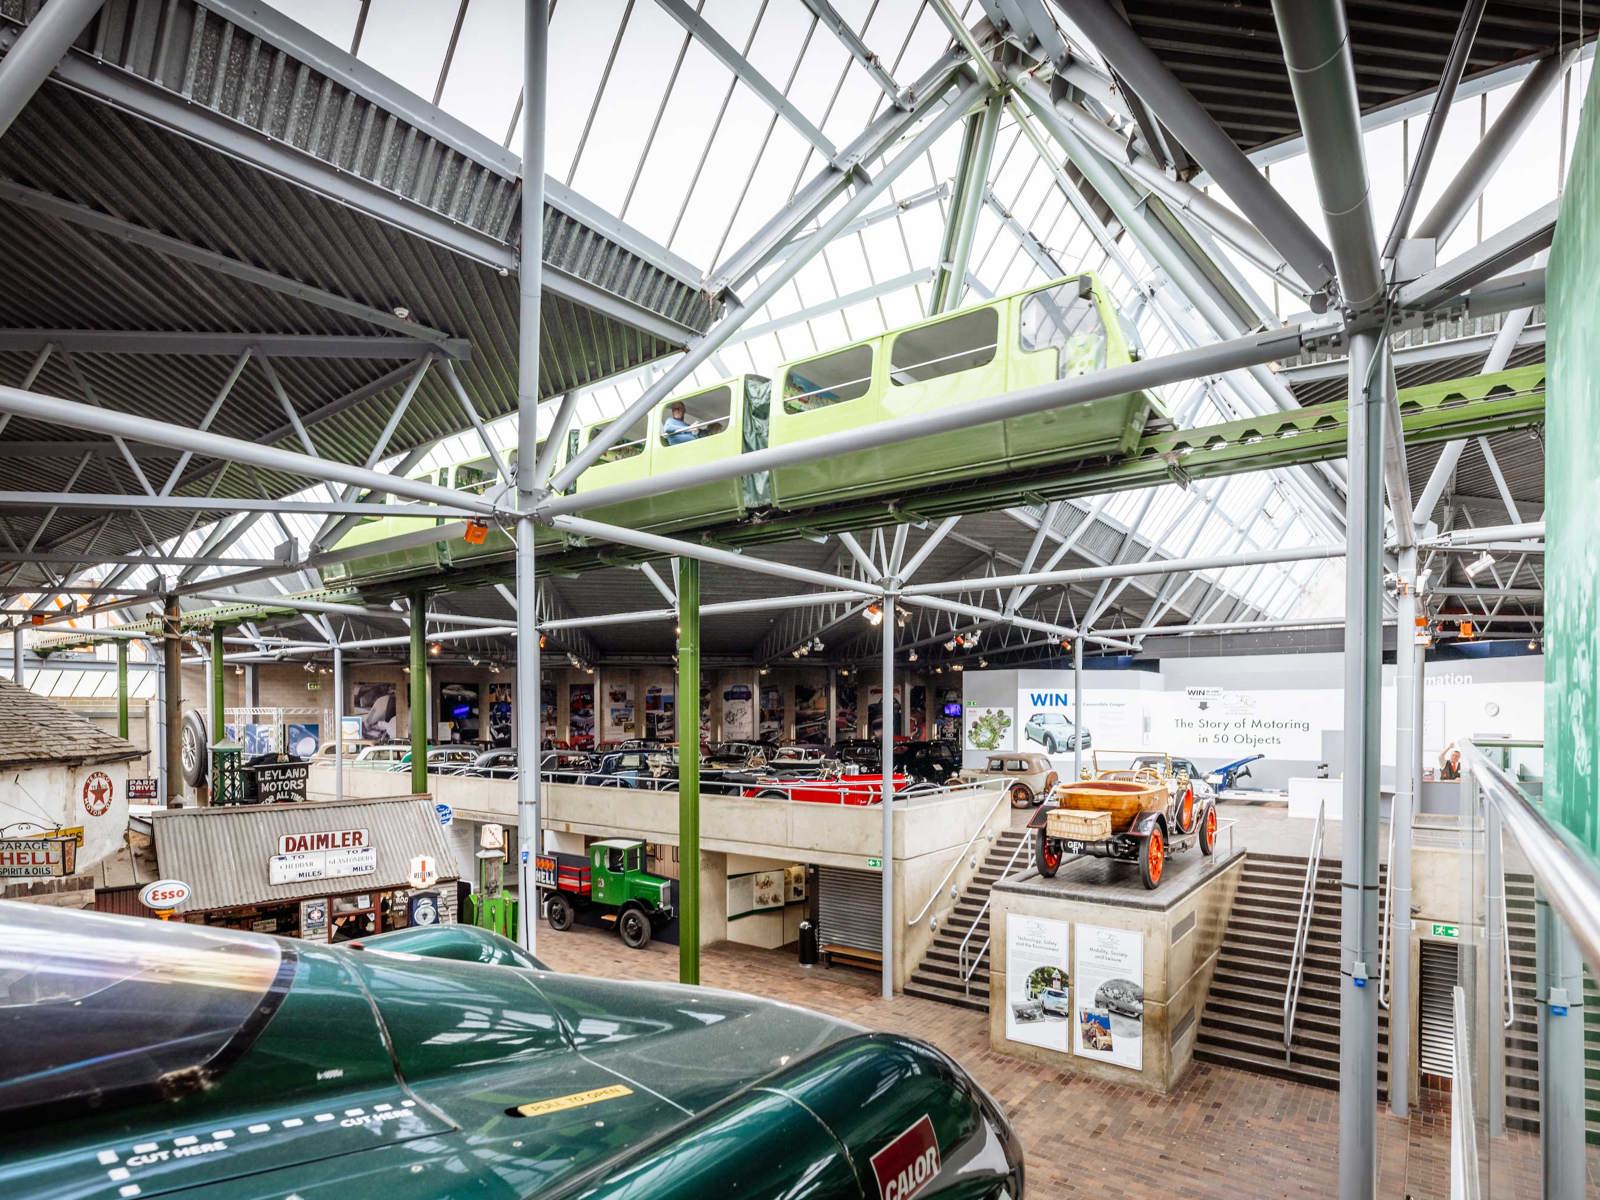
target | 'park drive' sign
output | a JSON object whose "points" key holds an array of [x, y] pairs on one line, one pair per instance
{"points": [[303, 857]]}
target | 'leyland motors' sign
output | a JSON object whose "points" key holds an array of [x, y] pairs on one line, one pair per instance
{"points": [[303, 857]]}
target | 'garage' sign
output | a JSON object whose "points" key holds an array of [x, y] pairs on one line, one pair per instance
{"points": [[36, 858]]}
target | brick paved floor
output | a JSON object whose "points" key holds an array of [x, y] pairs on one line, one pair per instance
{"points": [[1227, 1134]]}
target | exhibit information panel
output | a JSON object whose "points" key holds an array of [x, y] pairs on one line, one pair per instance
{"points": [[1108, 968], [1038, 993], [1572, 493]]}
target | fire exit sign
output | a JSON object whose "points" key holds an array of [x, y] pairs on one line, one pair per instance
{"points": [[1445, 931], [874, 864]]}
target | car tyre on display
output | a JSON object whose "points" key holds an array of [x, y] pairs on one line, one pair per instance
{"points": [[558, 910], [1152, 859], [772, 794], [1047, 857], [193, 750], [1208, 830], [1021, 796], [633, 927]]}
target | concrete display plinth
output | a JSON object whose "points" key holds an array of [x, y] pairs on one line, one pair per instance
{"points": [[1176, 929]]}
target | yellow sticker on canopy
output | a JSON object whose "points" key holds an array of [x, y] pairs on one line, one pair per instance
{"points": [[541, 1108]]}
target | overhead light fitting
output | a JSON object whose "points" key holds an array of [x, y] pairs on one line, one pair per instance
{"points": [[912, 656], [874, 614], [1479, 565], [434, 648], [401, 311], [1533, 644], [983, 664]]}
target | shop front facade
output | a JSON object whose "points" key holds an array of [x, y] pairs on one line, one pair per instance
{"points": [[326, 872]]}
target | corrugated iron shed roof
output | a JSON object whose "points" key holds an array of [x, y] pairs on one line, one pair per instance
{"points": [[223, 853]]}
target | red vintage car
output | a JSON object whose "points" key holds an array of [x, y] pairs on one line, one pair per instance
{"points": [[845, 788]]}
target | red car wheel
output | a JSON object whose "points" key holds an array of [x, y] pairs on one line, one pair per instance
{"points": [[1048, 857], [1153, 859]]}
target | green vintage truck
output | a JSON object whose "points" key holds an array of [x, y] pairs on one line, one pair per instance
{"points": [[149, 1059], [611, 877]]}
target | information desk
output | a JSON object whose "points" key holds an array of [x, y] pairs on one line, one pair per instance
{"points": [[1093, 973]]}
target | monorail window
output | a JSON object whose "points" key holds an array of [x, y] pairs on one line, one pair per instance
{"points": [[1065, 319], [632, 442], [958, 344], [689, 418], [472, 478], [829, 379]]}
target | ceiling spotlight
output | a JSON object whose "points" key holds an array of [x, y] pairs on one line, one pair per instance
{"points": [[816, 643], [434, 648], [957, 667], [1533, 643], [951, 644], [912, 656], [763, 670], [1066, 643], [983, 664], [401, 311], [1479, 565], [874, 614], [938, 670], [237, 669]]}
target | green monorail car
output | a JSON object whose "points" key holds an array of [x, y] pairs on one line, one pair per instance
{"points": [[1060, 329]]}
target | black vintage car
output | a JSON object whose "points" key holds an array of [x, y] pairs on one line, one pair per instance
{"points": [[928, 762]]}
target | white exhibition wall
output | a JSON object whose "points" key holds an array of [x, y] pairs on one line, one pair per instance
{"points": [[1215, 710]]}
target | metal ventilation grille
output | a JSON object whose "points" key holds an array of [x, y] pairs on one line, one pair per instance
{"points": [[1436, 1026], [850, 908]]}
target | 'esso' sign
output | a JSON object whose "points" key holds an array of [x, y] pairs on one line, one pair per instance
{"points": [[164, 893]]}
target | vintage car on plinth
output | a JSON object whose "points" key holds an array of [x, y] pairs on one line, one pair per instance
{"points": [[148, 1059], [1137, 814], [1033, 776]]}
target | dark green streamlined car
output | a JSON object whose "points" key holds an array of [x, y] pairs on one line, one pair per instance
{"points": [[146, 1059]]}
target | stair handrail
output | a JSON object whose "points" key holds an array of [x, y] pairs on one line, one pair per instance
{"points": [[1302, 931], [1505, 932], [1568, 879], [983, 828], [961, 951], [1383, 921]]}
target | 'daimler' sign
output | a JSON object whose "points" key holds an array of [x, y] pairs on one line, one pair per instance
{"points": [[330, 854]]}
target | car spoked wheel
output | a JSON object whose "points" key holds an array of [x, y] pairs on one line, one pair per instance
{"points": [[1021, 795], [634, 928], [1153, 859], [1188, 810], [559, 912], [1208, 831], [1047, 857]]}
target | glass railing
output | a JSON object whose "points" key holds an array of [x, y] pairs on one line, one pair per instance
{"points": [[1520, 1098]]}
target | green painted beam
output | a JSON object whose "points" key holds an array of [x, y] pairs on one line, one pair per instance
{"points": [[122, 689], [689, 770], [419, 692], [217, 682]]}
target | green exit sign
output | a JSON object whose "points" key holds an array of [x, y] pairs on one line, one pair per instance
{"points": [[874, 864], [1445, 931]]}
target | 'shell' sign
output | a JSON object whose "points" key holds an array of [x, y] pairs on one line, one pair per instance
{"points": [[336, 839], [37, 858]]}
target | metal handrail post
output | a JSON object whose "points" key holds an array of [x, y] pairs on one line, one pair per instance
{"points": [[1494, 887], [982, 829], [961, 951], [1302, 931]]}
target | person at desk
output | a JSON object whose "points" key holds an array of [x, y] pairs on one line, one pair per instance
{"points": [[675, 428], [1450, 763]]}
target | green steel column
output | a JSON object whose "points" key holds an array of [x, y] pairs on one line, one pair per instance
{"points": [[689, 770], [419, 692], [122, 690], [214, 730]]}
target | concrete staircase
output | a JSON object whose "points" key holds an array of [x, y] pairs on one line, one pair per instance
{"points": [[938, 975], [1522, 1039], [1243, 1025]]}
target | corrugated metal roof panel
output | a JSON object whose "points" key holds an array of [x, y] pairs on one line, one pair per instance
{"points": [[223, 853]]}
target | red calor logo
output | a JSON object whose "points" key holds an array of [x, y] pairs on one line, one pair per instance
{"points": [[909, 1163]]}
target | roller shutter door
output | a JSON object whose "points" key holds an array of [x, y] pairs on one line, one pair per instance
{"points": [[850, 908], [1436, 1026]]}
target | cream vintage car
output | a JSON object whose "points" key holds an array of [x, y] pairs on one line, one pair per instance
{"points": [[1034, 776]]}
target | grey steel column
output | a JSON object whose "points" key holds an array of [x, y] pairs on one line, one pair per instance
{"points": [[1561, 1065], [887, 794], [37, 51], [1405, 790], [338, 721], [172, 700], [1077, 709], [972, 173], [1363, 647], [1494, 1042], [528, 733], [19, 650]]}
